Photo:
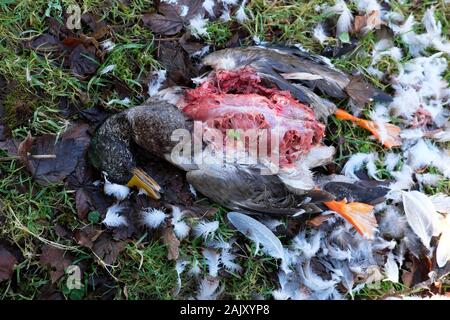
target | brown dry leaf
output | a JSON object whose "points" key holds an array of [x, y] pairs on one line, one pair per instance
{"points": [[172, 243], [317, 221], [82, 60], [87, 236], [108, 249], [416, 271], [82, 203], [367, 22], [170, 19], [57, 260], [7, 263], [67, 152]]}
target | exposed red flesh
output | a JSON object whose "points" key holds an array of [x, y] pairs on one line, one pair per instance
{"points": [[238, 100]]}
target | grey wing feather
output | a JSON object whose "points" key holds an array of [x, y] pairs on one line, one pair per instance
{"points": [[244, 188]]}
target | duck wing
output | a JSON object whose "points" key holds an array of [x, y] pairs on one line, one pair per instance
{"points": [[299, 72], [242, 187]]}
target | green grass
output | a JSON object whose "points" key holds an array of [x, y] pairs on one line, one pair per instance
{"points": [[37, 83]]}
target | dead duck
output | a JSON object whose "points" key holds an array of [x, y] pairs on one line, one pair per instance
{"points": [[249, 88]]}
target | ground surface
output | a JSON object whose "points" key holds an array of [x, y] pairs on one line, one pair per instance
{"points": [[40, 93]]}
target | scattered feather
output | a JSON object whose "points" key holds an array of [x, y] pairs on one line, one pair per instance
{"points": [[391, 160], [108, 69], [391, 269], [357, 161], [205, 229], [420, 214], [113, 219], [344, 22], [198, 26], [227, 260], [180, 266], [208, 289], [157, 79], [153, 218], [443, 248], [319, 33], [393, 224], [115, 190], [241, 16], [212, 259], [180, 227], [441, 202]]}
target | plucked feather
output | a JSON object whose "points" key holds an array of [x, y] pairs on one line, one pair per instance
{"points": [[205, 228], [113, 219], [153, 218], [420, 214], [212, 259], [257, 232]]}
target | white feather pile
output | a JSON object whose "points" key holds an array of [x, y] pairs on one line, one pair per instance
{"points": [[113, 219], [205, 229], [367, 5], [180, 227], [309, 246], [403, 181], [153, 218]]}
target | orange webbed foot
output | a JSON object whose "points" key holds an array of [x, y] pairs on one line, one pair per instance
{"points": [[359, 214], [388, 135]]}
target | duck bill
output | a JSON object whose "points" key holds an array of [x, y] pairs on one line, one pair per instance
{"points": [[143, 181], [389, 136], [359, 214]]}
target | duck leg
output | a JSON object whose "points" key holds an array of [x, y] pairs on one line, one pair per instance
{"points": [[389, 135]]}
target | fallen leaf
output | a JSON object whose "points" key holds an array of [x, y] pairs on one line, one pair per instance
{"points": [[162, 24], [67, 152], [82, 203], [172, 16], [82, 61], [108, 249], [172, 243], [416, 271], [175, 60], [7, 263], [317, 221], [57, 260], [44, 43]]}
